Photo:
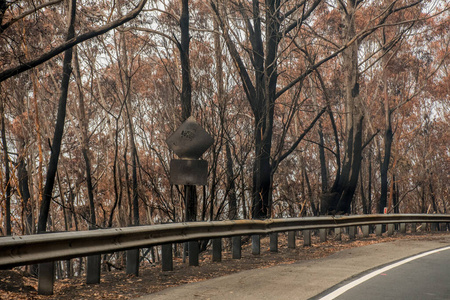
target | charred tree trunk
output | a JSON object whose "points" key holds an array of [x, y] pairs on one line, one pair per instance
{"points": [[190, 192], [85, 143], [339, 199], [433, 198], [22, 174], [323, 162], [134, 163], [117, 194], [263, 104], [59, 127], [261, 174], [183, 47], [231, 190], [369, 185], [395, 202], [349, 187], [388, 137], [363, 196], [7, 171], [23, 177]]}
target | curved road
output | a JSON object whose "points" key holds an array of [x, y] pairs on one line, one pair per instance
{"points": [[308, 279], [421, 277]]}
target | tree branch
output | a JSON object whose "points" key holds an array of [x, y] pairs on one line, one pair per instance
{"points": [[70, 43], [300, 138], [172, 39], [302, 18], [248, 85], [27, 13]]}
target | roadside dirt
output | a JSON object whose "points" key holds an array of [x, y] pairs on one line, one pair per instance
{"points": [[15, 284]]}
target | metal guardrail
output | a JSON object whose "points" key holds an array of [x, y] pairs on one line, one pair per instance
{"points": [[30, 249]]}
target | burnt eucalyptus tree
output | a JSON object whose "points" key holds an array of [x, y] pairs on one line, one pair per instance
{"points": [[6, 162], [346, 181], [359, 21], [59, 126], [266, 24]]}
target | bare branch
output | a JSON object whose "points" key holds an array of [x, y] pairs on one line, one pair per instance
{"points": [[300, 138], [27, 13], [245, 77], [303, 17], [70, 43], [152, 31]]}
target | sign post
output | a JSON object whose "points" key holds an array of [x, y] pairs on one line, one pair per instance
{"points": [[189, 142]]}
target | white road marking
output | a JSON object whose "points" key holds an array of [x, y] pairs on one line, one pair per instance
{"points": [[358, 281]]}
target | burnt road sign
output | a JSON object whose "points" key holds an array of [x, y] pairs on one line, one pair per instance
{"points": [[190, 140], [188, 171]]}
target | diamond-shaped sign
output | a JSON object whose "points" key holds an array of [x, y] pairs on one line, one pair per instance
{"points": [[190, 140]]}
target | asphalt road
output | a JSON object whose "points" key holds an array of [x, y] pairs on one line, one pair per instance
{"points": [[421, 277], [306, 279]]}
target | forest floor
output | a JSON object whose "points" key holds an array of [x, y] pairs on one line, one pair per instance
{"points": [[16, 284]]}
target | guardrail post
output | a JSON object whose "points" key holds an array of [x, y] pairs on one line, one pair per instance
{"points": [[423, 228], [390, 230], [403, 228], [323, 235], [193, 253], [379, 230], [352, 232], [256, 244], [413, 228], [307, 237], [273, 242], [291, 239], [217, 250], [337, 233], [93, 269], [167, 259], [133, 262], [46, 277], [365, 230], [236, 247], [433, 227]]}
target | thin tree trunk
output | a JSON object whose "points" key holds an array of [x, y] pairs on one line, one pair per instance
{"points": [[310, 192], [190, 191], [395, 202], [369, 184], [59, 127], [363, 196], [127, 185], [24, 189], [388, 138], [433, 198], [243, 198], [183, 47], [231, 190], [85, 143], [323, 162], [117, 193], [7, 171]]}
